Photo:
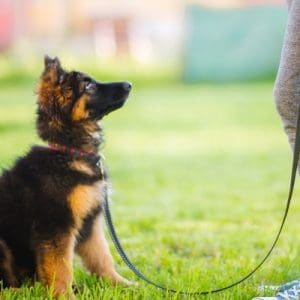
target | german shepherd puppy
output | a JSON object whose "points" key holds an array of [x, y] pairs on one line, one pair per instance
{"points": [[50, 201]]}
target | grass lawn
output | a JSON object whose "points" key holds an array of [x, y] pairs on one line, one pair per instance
{"points": [[200, 177]]}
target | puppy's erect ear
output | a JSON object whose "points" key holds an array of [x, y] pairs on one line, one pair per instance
{"points": [[53, 71], [51, 62]]}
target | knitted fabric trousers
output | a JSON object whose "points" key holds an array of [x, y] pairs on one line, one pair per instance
{"points": [[287, 85]]}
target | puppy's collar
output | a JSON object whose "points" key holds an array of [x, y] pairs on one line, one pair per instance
{"points": [[76, 153]]}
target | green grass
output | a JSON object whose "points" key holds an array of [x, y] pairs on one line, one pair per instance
{"points": [[200, 177]]}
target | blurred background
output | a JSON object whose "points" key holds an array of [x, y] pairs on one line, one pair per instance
{"points": [[199, 40], [198, 158]]}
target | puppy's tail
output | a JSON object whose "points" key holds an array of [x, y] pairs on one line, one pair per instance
{"points": [[7, 274]]}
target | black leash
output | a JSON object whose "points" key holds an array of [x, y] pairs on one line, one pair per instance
{"points": [[133, 268]]}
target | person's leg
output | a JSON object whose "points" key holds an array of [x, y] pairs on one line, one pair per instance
{"points": [[287, 98], [287, 86]]}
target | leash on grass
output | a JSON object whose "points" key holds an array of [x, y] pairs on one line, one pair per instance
{"points": [[140, 275]]}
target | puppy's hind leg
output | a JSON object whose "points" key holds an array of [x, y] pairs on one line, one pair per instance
{"points": [[54, 264], [7, 274]]}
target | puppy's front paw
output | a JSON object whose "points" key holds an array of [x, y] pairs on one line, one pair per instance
{"points": [[128, 283], [117, 279]]}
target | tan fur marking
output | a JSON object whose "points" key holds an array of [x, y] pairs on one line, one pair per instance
{"points": [[81, 167], [83, 199], [54, 264], [79, 112], [96, 255], [48, 93], [64, 97], [91, 126]]}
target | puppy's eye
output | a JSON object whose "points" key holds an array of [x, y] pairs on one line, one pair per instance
{"points": [[90, 86]]}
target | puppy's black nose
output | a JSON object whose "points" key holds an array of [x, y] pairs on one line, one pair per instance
{"points": [[127, 86]]}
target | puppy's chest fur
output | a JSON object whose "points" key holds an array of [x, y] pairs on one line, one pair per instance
{"points": [[85, 200]]}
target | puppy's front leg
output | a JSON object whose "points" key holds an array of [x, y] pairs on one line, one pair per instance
{"points": [[54, 264], [96, 256]]}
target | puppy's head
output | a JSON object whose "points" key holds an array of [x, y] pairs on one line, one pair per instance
{"points": [[74, 99]]}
